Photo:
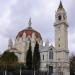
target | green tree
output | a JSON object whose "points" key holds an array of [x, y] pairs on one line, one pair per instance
{"points": [[29, 58], [8, 58], [72, 65], [36, 57]]}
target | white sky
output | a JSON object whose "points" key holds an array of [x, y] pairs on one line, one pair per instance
{"points": [[14, 15]]}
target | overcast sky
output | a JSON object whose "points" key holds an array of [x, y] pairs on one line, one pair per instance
{"points": [[14, 16]]}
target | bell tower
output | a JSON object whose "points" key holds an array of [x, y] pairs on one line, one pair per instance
{"points": [[61, 39], [61, 28]]}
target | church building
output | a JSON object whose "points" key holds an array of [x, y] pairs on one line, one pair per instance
{"points": [[54, 59]]}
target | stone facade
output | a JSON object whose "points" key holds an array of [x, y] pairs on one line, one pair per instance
{"points": [[61, 39], [53, 59]]}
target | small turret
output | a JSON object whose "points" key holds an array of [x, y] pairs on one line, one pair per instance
{"points": [[10, 44], [47, 43]]}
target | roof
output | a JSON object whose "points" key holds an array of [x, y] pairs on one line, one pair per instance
{"points": [[29, 32], [60, 6]]}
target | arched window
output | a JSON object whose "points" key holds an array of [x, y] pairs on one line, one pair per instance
{"points": [[43, 56], [59, 39], [59, 45], [51, 54], [50, 70], [51, 49], [59, 17]]}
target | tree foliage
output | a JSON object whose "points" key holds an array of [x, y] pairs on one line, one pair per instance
{"points": [[36, 57], [72, 65], [8, 58], [29, 58]]}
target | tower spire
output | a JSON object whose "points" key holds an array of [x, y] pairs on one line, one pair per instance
{"points": [[29, 23], [60, 5]]}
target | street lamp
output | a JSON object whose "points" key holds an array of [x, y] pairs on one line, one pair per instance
{"points": [[5, 72], [47, 68], [20, 70]]}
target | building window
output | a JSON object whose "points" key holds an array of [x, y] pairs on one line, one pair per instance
{"points": [[59, 17], [51, 55], [50, 70], [59, 45], [59, 39], [58, 28], [51, 49], [43, 56]]}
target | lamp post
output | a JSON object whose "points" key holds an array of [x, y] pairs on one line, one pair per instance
{"points": [[47, 69], [34, 71], [20, 70], [5, 70]]}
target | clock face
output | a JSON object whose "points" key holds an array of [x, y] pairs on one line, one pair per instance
{"points": [[59, 17]]}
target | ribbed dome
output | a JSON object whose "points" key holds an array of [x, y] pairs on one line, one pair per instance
{"points": [[29, 31]]}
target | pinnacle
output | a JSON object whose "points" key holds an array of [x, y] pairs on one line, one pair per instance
{"points": [[29, 22], [60, 6]]}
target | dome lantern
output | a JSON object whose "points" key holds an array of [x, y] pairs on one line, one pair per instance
{"points": [[29, 23]]}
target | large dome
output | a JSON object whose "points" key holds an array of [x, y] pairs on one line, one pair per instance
{"points": [[29, 31]]}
